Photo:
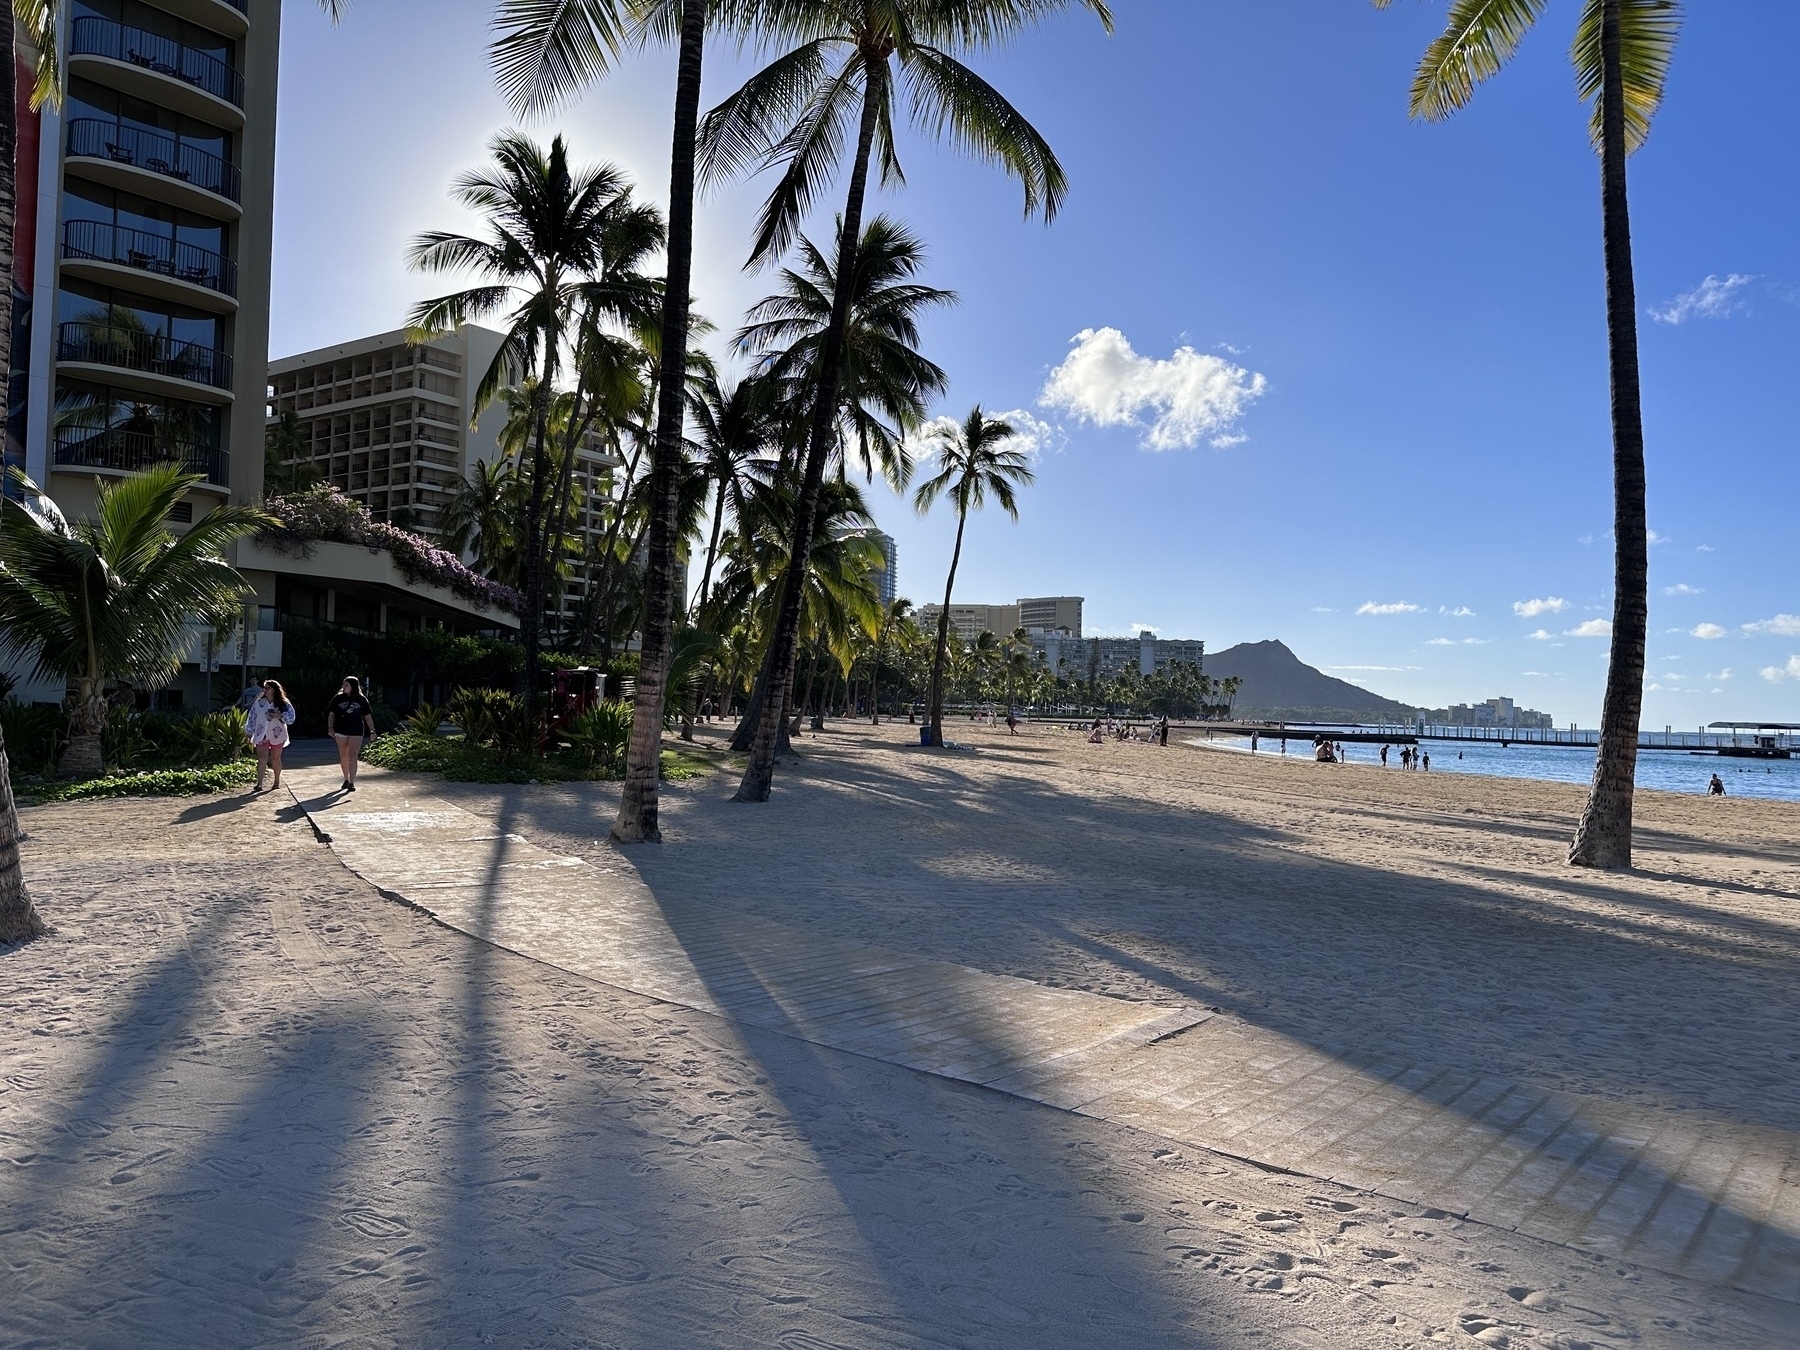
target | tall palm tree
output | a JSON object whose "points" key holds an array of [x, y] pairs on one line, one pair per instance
{"points": [[894, 629], [104, 599], [732, 425], [976, 465], [544, 264], [885, 383], [545, 52], [796, 112], [1621, 53]]}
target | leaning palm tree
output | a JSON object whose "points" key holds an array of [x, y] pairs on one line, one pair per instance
{"points": [[796, 113], [109, 598], [543, 264], [976, 465], [1621, 53], [885, 383]]}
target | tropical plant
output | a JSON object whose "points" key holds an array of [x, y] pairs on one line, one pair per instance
{"points": [[498, 720], [286, 466], [795, 113], [976, 465], [545, 269], [425, 719], [111, 598], [731, 427], [1622, 52], [599, 735], [885, 384], [481, 519]]}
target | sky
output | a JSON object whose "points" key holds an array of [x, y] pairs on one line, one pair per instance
{"points": [[1292, 366]]}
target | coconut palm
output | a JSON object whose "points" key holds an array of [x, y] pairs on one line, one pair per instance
{"points": [[545, 264], [101, 600], [894, 631], [847, 60], [885, 383], [976, 465], [480, 520], [732, 425], [1621, 53]]}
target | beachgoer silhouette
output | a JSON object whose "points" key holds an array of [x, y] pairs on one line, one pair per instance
{"points": [[1384, 751], [1428, 761], [1716, 788]]}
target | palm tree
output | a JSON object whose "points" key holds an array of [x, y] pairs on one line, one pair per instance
{"points": [[885, 383], [796, 113], [976, 464], [545, 264], [1621, 54], [112, 597], [731, 427], [481, 520], [894, 627]]}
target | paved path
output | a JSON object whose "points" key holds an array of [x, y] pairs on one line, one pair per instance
{"points": [[1714, 1200]]}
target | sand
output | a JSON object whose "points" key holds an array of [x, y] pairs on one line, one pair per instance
{"points": [[249, 1101]]}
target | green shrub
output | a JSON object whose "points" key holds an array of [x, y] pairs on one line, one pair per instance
{"points": [[34, 736], [386, 719], [597, 738], [498, 721], [154, 783]]}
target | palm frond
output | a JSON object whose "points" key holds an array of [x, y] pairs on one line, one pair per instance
{"points": [[1648, 30], [948, 97], [546, 51], [735, 138], [1479, 37]]}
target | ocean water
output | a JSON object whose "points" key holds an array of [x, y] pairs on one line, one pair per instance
{"points": [[1664, 770]]}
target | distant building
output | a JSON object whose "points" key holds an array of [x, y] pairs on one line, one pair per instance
{"points": [[969, 622], [1051, 614], [1495, 712], [887, 583], [1104, 658]]}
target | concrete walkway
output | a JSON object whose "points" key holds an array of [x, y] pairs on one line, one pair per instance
{"points": [[1714, 1200]]}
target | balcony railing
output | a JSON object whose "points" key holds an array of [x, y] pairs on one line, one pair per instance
{"points": [[101, 241], [156, 152], [135, 451], [149, 352], [94, 36]]}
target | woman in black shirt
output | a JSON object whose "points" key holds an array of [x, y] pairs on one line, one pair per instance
{"points": [[350, 719]]}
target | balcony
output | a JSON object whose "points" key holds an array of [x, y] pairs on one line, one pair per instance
{"points": [[115, 450], [134, 148], [147, 353], [158, 68], [169, 268]]}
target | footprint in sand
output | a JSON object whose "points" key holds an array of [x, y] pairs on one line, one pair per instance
{"points": [[373, 1225], [620, 1268]]}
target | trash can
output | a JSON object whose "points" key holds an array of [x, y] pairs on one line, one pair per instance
{"points": [[925, 735]]}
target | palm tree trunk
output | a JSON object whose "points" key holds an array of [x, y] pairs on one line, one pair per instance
{"points": [[806, 703], [935, 699], [638, 803], [759, 774], [19, 921], [1603, 838], [712, 550], [531, 621]]}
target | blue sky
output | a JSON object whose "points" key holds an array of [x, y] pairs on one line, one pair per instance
{"points": [[1344, 375]]}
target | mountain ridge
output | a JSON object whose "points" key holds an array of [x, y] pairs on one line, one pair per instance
{"points": [[1279, 686]]}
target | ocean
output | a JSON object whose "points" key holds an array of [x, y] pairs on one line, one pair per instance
{"points": [[1664, 770]]}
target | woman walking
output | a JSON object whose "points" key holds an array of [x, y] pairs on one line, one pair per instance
{"points": [[350, 720], [268, 721]]}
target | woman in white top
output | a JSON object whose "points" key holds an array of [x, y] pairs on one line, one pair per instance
{"points": [[270, 717]]}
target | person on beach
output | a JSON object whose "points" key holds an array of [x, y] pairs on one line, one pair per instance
{"points": [[351, 721], [270, 716], [1012, 721], [1162, 732], [1098, 735], [1716, 788], [1427, 761], [1384, 751]]}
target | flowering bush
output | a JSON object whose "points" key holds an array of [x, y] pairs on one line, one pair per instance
{"points": [[322, 514]]}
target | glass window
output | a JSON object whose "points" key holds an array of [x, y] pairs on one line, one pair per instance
{"points": [[118, 312], [84, 410]]}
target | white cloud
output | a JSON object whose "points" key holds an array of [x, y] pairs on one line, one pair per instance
{"points": [[1703, 548], [1537, 674], [1656, 538], [1530, 609], [1714, 298], [1541, 635], [1190, 395], [1706, 632], [1226, 442], [1035, 436], [1458, 642], [1595, 628], [1390, 607], [1374, 667], [1682, 588], [1460, 612], [1323, 609], [1137, 628], [1721, 675], [1782, 625], [1776, 674]]}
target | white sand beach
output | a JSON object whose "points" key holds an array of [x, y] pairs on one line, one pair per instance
{"points": [[252, 1100]]}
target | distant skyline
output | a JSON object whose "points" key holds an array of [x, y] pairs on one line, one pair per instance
{"points": [[1294, 366]]}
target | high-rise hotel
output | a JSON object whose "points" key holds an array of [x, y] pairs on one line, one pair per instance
{"points": [[142, 274]]}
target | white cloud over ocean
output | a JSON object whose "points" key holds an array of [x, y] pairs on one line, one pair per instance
{"points": [[1714, 298], [1175, 402]]}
